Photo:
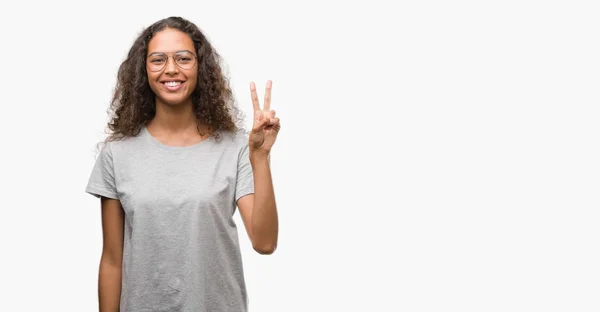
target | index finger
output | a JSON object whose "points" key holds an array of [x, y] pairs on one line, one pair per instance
{"points": [[254, 96]]}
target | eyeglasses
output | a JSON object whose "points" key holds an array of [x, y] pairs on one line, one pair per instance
{"points": [[157, 61]]}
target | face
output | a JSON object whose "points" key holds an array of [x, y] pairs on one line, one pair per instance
{"points": [[172, 67]]}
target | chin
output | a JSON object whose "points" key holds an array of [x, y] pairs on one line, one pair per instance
{"points": [[173, 100]]}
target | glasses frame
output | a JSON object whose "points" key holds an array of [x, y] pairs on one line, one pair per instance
{"points": [[170, 55]]}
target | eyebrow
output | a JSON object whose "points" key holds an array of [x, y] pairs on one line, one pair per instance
{"points": [[157, 52]]}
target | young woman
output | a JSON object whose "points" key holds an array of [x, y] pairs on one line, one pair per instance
{"points": [[171, 173]]}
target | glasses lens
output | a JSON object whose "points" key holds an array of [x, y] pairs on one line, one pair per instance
{"points": [[185, 60], [157, 62]]}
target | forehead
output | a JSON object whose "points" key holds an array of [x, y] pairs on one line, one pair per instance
{"points": [[170, 40]]}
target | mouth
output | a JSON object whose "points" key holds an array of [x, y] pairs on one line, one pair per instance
{"points": [[173, 85]]}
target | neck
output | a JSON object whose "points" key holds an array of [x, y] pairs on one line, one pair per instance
{"points": [[174, 118]]}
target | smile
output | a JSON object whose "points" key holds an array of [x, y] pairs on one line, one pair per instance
{"points": [[173, 85]]}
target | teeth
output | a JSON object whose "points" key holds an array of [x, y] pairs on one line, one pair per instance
{"points": [[172, 83]]}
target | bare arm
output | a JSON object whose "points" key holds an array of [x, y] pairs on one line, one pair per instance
{"points": [[259, 210], [109, 278]]}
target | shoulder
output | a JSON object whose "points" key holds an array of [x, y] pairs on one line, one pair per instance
{"points": [[119, 145], [234, 143], [237, 139]]}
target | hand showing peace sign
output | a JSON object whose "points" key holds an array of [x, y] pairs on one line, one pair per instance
{"points": [[266, 125]]}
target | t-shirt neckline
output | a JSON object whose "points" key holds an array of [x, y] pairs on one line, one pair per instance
{"points": [[161, 145]]}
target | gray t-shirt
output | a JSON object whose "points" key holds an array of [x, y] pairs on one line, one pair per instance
{"points": [[181, 250]]}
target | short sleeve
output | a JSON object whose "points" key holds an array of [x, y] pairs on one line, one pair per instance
{"points": [[102, 178], [245, 178]]}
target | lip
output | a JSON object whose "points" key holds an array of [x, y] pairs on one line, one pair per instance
{"points": [[172, 89]]}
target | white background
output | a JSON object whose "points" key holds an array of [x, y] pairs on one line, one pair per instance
{"points": [[434, 155]]}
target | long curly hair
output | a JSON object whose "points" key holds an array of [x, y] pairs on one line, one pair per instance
{"points": [[133, 102]]}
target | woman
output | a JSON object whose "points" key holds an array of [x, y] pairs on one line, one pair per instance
{"points": [[171, 174]]}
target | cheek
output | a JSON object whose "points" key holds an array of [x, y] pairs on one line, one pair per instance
{"points": [[152, 81], [192, 79]]}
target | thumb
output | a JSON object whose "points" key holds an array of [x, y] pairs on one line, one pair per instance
{"points": [[260, 122]]}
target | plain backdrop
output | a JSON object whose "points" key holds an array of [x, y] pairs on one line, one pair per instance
{"points": [[434, 155]]}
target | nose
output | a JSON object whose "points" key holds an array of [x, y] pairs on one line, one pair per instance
{"points": [[171, 67]]}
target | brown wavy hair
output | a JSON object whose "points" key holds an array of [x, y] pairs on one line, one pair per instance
{"points": [[133, 102]]}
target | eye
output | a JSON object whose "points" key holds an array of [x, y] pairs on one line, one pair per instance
{"points": [[183, 58]]}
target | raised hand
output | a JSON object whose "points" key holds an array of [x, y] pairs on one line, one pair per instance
{"points": [[266, 126]]}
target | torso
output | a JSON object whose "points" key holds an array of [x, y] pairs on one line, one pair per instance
{"points": [[181, 250]]}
